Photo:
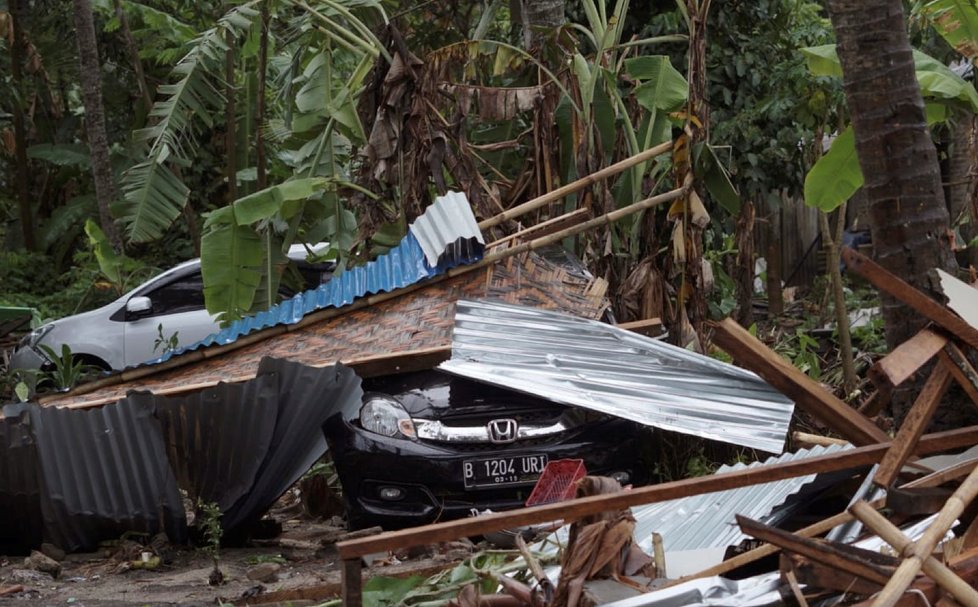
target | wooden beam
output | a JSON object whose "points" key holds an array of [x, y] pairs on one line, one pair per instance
{"points": [[352, 583], [866, 564], [649, 326], [817, 575], [914, 425], [575, 509], [900, 289], [751, 353], [906, 359], [961, 369]]}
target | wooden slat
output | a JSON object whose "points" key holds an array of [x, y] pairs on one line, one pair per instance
{"points": [[547, 227], [649, 326], [866, 564], [575, 509], [906, 359], [749, 352], [914, 425], [961, 369], [900, 289], [817, 575]]}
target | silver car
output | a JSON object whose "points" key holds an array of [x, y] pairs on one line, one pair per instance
{"points": [[125, 332]]}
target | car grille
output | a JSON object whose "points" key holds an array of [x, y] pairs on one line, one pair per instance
{"points": [[469, 431]]}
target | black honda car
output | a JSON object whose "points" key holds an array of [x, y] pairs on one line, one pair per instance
{"points": [[429, 446]]}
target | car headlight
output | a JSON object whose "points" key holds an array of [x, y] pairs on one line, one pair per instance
{"points": [[384, 415], [31, 339]]}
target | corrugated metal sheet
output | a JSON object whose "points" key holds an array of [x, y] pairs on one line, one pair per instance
{"points": [[445, 226], [307, 397], [597, 366], [104, 472], [21, 525], [76, 477], [446, 233], [708, 520], [217, 439]]}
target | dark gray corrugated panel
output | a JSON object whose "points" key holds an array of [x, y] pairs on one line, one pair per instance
{"points": [[593, 365], [307, 397], [21, 525], [104, 472], [216, 439]]}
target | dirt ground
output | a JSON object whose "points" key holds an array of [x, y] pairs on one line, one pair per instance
{"points": [[304, 555]]}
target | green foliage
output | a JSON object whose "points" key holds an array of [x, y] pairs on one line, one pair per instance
{"points": [[765, 107], [209, 523], [154, 194], [163, 343], [68, 370], [802, 350], [836, 176]]}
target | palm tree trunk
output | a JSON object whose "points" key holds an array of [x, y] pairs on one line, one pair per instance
{"points": [[908, 219], [230, 149], [133, 50], [18, 52], [260, 168], [98, 140]]}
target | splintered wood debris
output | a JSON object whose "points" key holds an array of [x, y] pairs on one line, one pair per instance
{"points": [[936, 559]]}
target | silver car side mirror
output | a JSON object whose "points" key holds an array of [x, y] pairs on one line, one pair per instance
{"points": [[139, 306]]}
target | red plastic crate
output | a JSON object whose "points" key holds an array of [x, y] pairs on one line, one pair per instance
{"points": [[558, 482]]}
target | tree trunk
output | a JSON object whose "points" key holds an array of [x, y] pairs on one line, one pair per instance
{"points": [[230, 147], [539, 17], [133, 50], [908, 219], [260, 168], [18, 53], [98, 141]]}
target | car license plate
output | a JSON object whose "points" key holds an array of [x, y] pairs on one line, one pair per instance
{"points": [[499, 471]]}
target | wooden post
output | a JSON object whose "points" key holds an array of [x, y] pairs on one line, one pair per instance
{"points": [[352, 583], [914, 425]]}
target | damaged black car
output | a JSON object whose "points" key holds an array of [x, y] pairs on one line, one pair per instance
{"points": [[429, 446]]}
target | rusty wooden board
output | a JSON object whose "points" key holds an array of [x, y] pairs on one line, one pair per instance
{"points": [[747, 351], [906, 359], [894, 285]]}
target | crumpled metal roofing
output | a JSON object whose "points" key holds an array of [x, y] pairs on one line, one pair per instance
{"points": [[21, 527], [216, 439], [76, 477], [104, 472], [596, 366], [445, 236], [307, 396], [708, 520]]}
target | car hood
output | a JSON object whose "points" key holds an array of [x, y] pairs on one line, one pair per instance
{"points": [[434, 395]]}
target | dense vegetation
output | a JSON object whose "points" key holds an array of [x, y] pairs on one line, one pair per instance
{"points": [[234, 131]]}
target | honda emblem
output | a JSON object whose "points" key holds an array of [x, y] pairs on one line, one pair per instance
{"points": [[502, 431]]}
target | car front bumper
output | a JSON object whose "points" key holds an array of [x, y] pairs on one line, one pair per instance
{"points": [[430, 478], [27, 358]]}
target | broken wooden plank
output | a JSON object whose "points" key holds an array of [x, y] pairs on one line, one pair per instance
{"points": [[807, 439], [574, 509], [914, 425], [943, 575], [650, 326], [906, 359], [866, 564], [352, 583], [931, 480], [750, 352], [818, 575], [963, 372], [892, 284]]}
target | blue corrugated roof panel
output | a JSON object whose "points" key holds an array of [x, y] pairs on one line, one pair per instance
{"points": [[448, 223]]}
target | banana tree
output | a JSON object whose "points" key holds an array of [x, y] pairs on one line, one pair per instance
{"points": [[315, 57], [836, 176]]}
